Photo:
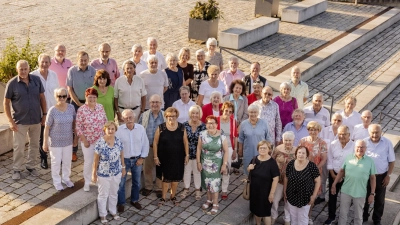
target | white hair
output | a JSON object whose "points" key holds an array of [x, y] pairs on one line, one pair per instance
{"points": [[200, 51], [372, 125], [288, 135], [151, 58], [234, 58], [214, 93], [22, 61], [136, 46], [253, 107], [211, 41], [318, 95], [59, 90], [104, 44], [43, 55], [170, 56], [125, 111], [193, 108], [285, 85], [150, 39]]}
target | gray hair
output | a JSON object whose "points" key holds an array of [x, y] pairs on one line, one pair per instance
{"points": [[58, 91], [298, 111], [366, 111], [211, 41], [150, 39], [374, 125], [253, 107], [362, 141], [43, 55], [214, 93], [234, 58], [22, 61], [184, 88], [125, 111], [337, 114], [128, 62], [170, 56], [344, 127], [354, 99], [58, 46], [136, 46], [183, 50], [200, 52], [285, 85], [195, 107], [102, 45], [318, 95], [288, 135], [151, 58], [155, 96]]}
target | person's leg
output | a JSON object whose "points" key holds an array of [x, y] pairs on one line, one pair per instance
{"points": [[136, 172], [366, 204], [302, 215], [196, 175], [345, 202], [121, 189], [33, 148], [56, 157], [66, 163], [358, 204], [225, 177], [113, 193], [275, 204], [287, 217], [258, 220], [165, 187], [103, 184], [19, 140], [332, 199], [75, 147], [88, 155], [43, 154], [148, 170], [379, 203], [187, 173], [267, 220], [293, 210], [324, 177]]}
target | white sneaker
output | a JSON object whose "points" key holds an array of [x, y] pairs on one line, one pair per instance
{"points": [[86, 187], [59, 187], [16, 175], [310, 221], [68, 183]]}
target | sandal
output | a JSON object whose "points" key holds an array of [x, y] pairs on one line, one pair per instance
{"points": [[174, 201], [161, 202], [236, 172], [224, 196], [103, 220], [198, 195], [206, 205], [213, 210], [116, 217], [184, 192]]}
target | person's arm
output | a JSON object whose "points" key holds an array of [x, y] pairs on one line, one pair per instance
{"points": [[73, 96], [46, 138], [198, 155], [165, 89], [273, 189], [80, 128], [43, 106], [96, 160], [317, 182], [142, 104], [144, 152], [386, 180], [116, 108], [122, 163], [372, 183], [188, 81], [200, 100], [225, 157], [278, 127], [285, 181], [338, 178], [155, 147], [323, 160], [7, 110], [186, 146]]}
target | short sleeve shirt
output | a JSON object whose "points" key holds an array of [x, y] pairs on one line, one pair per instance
{"points": [[193, 138], [90, 122], [25, 99], [206, 90], [49, 85], [109, 157], [80, 80], [154, 84], [301, 184], [60, 124], [61, 69], [299, 92], [111, 67], [129, 95]]}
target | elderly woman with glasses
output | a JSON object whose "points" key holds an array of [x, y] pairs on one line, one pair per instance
{"points": [[175, 80], [171, 154], [129, 91], [212, 56], [183, 105], [58, 138], [287, 104], [102, 83], [238, 98], [256, 95], [212, 160], [210, 85], [213, 108], [199, 73], [90, 119]]}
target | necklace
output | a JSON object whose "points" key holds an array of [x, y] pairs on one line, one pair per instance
{"points": [[213, 134]]}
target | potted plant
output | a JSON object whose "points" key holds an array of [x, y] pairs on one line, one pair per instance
{"points": [[203, 21], [10, 55]]}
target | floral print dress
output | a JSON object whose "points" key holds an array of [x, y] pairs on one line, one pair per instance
{"points": [[211, 160], [198, 78]]}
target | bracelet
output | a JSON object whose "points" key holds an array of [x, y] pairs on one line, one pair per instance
{"points": [[155, 157], [123, 167]]}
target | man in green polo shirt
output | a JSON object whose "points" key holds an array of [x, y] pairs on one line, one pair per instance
{"points": [[356, 170]]}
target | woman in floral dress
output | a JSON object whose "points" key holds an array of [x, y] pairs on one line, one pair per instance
{"points": [[200, 73], [212, 160]]}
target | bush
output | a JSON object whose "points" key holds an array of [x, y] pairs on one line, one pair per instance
{"points": [[206, 11], [12, 54]]}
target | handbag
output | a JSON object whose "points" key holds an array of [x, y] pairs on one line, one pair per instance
{"points": [[246, 189]]}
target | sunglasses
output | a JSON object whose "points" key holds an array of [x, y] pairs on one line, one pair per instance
{"points": [[61, 96]]}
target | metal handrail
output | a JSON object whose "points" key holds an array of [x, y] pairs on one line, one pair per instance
{"points": [[385, 114], [330, 96]]}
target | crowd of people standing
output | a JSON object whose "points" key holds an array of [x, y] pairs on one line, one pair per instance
{"points": [[163, 116]]}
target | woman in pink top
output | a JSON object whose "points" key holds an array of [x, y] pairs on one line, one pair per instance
{"points": [[287, 104], [90, 120]]}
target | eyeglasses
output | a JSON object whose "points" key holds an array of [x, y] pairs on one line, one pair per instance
{"points": [[61, 96], [154, 102], [211, 123], [269, 94], [171, 116], [263, 148]]}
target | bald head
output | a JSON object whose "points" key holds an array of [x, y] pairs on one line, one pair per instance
{"points": [[375, 132], [366, 117], [295, 74], [155, 103]]}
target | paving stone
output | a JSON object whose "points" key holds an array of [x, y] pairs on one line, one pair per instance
{"points": [[135, 218], [184, 215], [158, 213]]}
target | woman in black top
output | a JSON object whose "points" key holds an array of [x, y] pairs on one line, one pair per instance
{"points": [[264, 176], [301, 186]]}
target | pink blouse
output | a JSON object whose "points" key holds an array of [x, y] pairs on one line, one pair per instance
{"points": [[90, 122]]}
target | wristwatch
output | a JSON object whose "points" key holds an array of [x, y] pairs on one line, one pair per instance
{"points": [[372, 194]]}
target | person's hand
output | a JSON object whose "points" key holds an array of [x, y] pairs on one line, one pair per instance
{"points": [[234, 155], [119, 116], [186, 159], [13, 126], [240, 153], [157, 161], [251, 167], [123, 172], [139, 162], [371, 199], [284, 196], [94, 177], [45, 147], [75, 142], [223, 169], [199, 167], [312, 199], [271, 197], [386, 181], [43, 121], [86, 143], [333, 189]]}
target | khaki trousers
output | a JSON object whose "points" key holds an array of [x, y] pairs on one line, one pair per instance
{"points": [[149, 172], [19, 139]]}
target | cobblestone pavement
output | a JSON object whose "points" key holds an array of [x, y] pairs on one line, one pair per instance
{"points": [[83, 25], [391, 106], [358, 69]]}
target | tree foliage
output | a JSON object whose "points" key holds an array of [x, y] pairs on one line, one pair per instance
{"points": [[206, 11]]}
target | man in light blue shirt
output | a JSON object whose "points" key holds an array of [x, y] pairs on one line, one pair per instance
{"points": [[380, 149], [136, 149], [298, 126]]}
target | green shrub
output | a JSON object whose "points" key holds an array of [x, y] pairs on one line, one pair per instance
{"points": [[11, 54], [206, 11]]}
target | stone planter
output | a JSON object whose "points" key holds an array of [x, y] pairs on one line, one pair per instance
{"points": [[202, 29], [2, 90], [266, 8]]}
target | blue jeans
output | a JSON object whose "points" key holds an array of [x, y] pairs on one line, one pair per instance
{"points": [[135, 171]]}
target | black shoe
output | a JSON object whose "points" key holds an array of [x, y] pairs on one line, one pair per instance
{"points": [[365, 220], [377, 223], [136, 205], [159, 194], [120, 208], [43, 163], [319, 200], [146, 192]]}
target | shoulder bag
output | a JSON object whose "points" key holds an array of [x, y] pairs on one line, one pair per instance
{"points": [[246, 189]]}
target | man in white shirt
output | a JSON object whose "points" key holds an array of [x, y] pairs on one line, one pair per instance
{"points": [[136, 149], [183, 105], [380, 149], [233, 73], [338, 151], [137, 53], [152, 45], [316, 112], [360, 131], [350, 117], [50, 82], [299, 88]]}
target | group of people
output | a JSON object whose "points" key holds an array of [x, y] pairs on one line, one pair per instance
{"points": [[167, 117]]}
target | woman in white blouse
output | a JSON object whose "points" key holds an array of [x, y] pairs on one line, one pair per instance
{"points": [[210, 85], [183, 105]]}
